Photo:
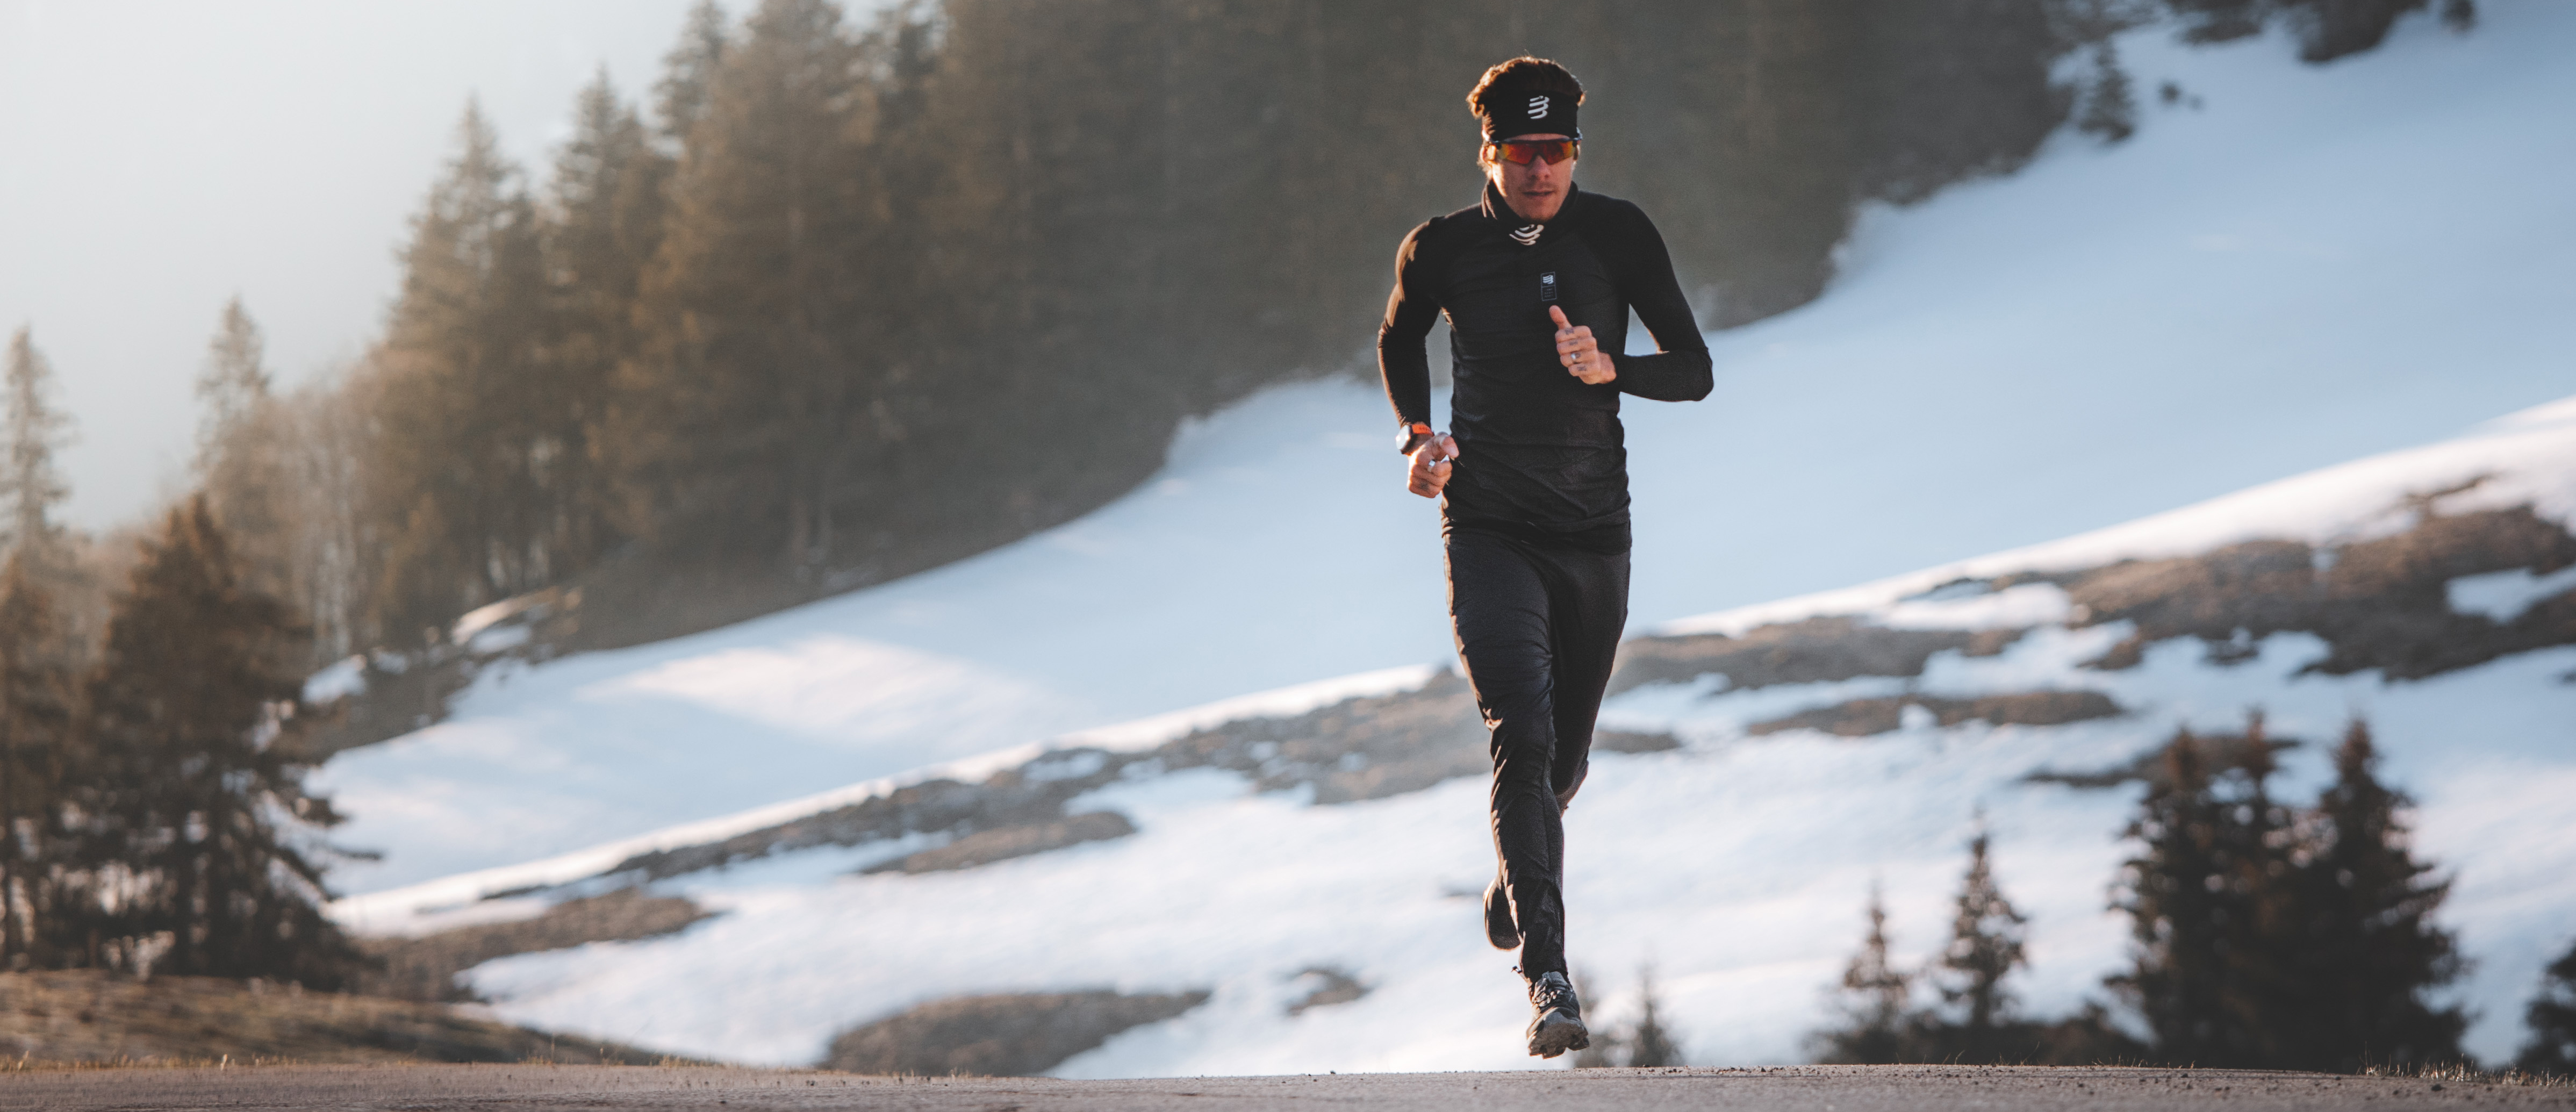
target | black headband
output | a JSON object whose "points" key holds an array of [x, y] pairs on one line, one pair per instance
{"points": [[1528, 112]]}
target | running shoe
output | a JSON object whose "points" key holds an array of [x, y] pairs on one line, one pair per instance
{"points": [[1557, 1023]]}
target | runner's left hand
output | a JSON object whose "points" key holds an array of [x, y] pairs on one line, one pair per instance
{"points": [[1581, 354]]}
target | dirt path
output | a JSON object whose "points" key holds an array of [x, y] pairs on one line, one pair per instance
{"points": [[429, 1088]]}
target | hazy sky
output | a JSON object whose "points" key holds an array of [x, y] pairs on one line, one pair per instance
{"points": [[160, 156]]}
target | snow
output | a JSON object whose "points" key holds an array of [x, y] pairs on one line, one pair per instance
{"points": [[1283, 703], [497, 639], [423, 907], [2513, 463], [342, 679], [483, 617], [2018, 607], [2502, 596], [1738, 866], [2321, 271]]}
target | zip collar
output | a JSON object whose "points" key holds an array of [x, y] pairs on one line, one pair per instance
{"points": [[1525, 232]]}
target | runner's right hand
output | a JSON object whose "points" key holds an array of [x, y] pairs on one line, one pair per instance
{"points": [[1428, 469]]}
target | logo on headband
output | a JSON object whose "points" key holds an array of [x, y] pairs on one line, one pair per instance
{"points": [[1538, 108]]}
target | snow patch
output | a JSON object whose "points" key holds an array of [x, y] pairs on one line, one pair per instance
{"points": [[1285, 702], [2017, 607], [341, 680], [482, 618], [2503, 596], [498, 639]]}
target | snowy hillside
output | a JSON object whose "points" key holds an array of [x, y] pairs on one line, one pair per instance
{"points": [[2290, 267], [1780, 758]]}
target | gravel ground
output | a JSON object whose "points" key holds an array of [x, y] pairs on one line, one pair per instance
{"points": [[430, 1088]]}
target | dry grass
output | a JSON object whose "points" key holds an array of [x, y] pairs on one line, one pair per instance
{"points": [[90, 1018], [2465, 1073]]}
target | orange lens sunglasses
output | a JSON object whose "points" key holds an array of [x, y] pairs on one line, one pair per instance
{"points": [[1519, 152]]}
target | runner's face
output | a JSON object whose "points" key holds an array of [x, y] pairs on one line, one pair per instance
{"points": [[1534, 190]]}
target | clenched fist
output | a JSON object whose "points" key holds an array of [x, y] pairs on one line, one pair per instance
{"points": [[1428, 469], [1576, 349]]}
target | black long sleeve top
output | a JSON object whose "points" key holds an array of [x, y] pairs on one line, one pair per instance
{"points": [[1540, 453]]}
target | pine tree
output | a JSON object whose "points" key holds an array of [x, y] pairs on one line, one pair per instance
{"points": [[37, 716], [2258, 840], [463, 444], [2186, 914], [2110, 107], [2552, 1019], [1649, 1042], [688, 71], [2362, 949], [235, 383], [1985, 947], [29, 482], [2274, 939], [1875, 1001], [198, 828], [243, 442], [753, 433], [604, 224]]}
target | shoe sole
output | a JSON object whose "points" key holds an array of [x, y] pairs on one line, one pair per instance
{"points": [[1555, 1033], [1499, 927]]}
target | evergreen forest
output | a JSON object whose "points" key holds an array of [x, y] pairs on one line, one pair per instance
{"points": [[836, 300]]}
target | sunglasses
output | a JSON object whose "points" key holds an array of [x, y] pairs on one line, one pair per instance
{"points": [[1519, 152]]}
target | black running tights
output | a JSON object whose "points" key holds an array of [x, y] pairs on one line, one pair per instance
{"points": [[1537, 626]]}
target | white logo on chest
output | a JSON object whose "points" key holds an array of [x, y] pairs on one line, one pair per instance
{"points": [[1538, 108]]}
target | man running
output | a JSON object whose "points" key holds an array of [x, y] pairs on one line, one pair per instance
{"points": [[1537, 280]]}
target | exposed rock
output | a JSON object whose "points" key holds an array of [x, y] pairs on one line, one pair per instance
{"points": [[999, 1036], [1364, 748], [1005, 800], [1624, 741], [987, 846], [425, 968], [1816, 650], [1863, 717], [1353, 750], [2378, 604], [1327, 986]]}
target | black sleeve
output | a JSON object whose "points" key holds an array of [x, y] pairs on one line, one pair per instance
{"points": [[1679, 369], [1410, 311]]}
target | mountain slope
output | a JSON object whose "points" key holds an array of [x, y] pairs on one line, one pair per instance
{"points": [[2311, 265], [1810, 748]]}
